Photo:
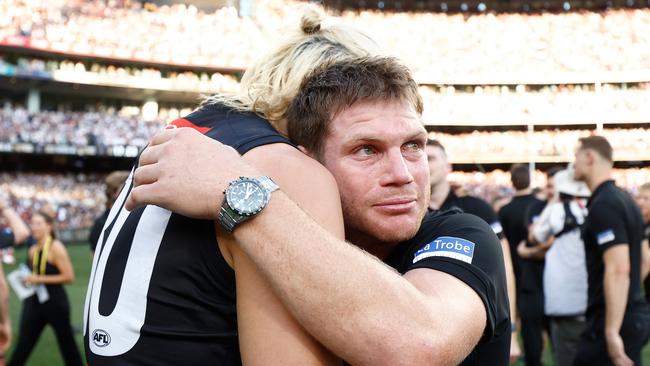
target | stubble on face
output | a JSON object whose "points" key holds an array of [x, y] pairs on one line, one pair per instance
{"points": [[376, 153]]}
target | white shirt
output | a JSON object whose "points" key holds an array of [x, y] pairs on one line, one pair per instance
{"points": [[565, 269]]}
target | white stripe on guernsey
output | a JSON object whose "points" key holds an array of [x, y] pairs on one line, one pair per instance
{"points": [[117, 206], [124, 323]]}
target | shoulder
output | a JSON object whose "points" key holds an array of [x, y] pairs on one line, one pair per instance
{"points": [[295, 168], [478, 207], [604, 203], [58, 247], [468, 230], [239, 129]]}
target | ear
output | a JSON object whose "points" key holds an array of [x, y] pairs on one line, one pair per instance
{"points": [[591, 157], [306, 152], [447, 167]]}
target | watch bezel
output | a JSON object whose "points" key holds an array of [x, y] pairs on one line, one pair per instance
{"points": [[231, 200]]}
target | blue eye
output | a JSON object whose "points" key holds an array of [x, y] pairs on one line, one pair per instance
{"points": [[412, 146], [365, 150]]}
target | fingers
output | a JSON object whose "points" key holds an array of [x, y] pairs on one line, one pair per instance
{"points": [[146, 174], [165, 135], [143, 195]]}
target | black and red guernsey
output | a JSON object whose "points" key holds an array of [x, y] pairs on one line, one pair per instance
{"points": [[160, 291]]}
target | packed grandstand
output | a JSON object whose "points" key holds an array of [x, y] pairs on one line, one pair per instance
{"points": [[98, 78]]}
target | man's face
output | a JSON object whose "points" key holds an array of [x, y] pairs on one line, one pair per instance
{"points": [[375, 150], [644, 203], [550, 188], [438, 165], [581, 164]]}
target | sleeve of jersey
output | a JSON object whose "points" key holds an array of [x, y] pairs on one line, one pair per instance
{"points": [[608, 226], [467, 248]]}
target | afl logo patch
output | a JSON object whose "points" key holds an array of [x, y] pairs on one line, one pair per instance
{"points": [[101, 338]]}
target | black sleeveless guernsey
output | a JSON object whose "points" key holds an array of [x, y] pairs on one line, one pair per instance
{"points": [[160, 292]]}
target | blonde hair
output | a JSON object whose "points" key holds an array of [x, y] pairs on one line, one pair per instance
{"points": [[268, 87]]}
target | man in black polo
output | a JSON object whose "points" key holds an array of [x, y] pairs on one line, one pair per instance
{"points": [[444, 198], [514, 218], [618, 318]]}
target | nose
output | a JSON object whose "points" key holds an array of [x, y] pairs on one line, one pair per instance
{"points": [[397, 171]]}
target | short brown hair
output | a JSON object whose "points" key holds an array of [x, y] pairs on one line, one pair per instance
{"points": [[436, 143], [520, 176], [115, 180], [599, 144], [331, 89], [645, 187]]}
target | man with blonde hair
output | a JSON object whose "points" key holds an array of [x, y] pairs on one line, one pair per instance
{"points": [[169, 289]]}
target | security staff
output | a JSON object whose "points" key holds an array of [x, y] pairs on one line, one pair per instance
{"points": [[618, 319], [444, 198]]}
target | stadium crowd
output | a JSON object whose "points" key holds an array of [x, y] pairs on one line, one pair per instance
{"points": [[120, 75], [77, 199], [503, 104], [474, 45], [102, 129], [108, 127], [549, 104], [628, 143]]}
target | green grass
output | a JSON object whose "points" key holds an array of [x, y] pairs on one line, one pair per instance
{"points": [[46, 352]]}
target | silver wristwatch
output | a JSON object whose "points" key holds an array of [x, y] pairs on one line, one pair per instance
{"points": [[245, 198]]}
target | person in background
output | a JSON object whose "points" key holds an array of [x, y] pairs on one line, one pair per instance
{"points": [[565, 273], [643, 200], [51, 266], [444, 197], [514, 218], [17, 232], [617, 316], [114, 183]]}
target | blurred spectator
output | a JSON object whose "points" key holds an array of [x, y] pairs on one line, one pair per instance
{"points": [[114, 183], [51, 268], [444, 197], [514, 218], [15, 233], [558, 237]]}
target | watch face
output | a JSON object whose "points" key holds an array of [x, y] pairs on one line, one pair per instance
{"points": [[246, 197]]}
